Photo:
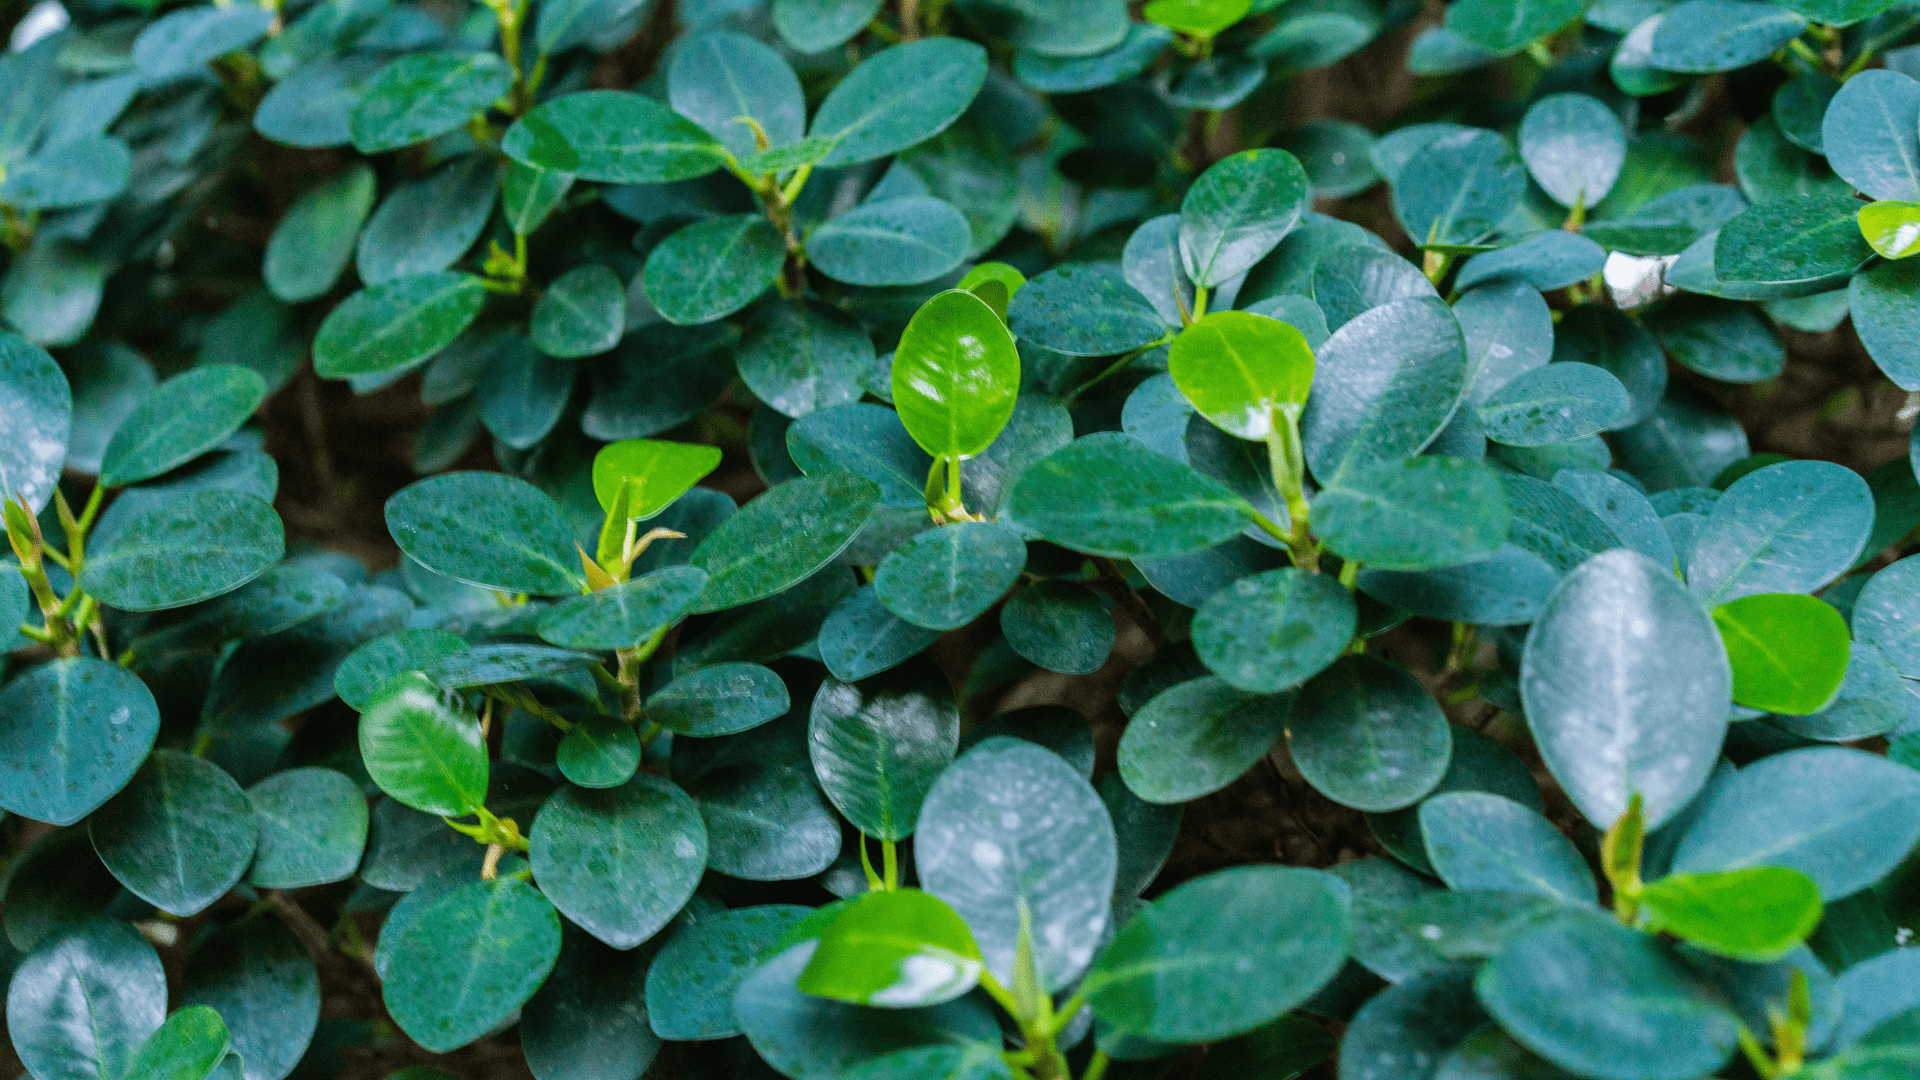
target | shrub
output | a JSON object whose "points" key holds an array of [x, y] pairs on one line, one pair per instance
{"points": [[1575, 737]]}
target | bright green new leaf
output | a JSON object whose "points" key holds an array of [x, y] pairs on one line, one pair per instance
{"points": [[901, 949], [1202, 18], [189, 1046], [1892, 228], [1788, 651], [1238, 368], [994, 282], [654, 471], [955, 375], [1757, 915], [422, 746]]}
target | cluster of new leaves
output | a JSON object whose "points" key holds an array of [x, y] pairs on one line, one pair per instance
{"points": [[1036, 335]]}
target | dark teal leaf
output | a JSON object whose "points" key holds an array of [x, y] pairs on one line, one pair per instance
{"points": [[861, 638], [1478, 840], [718, 76], [898, 97], [179, 835], [878, 746], [582, 313], [719, 700], [87, 169], [1415, 514], [944, 578], [489, 530], [1871, 134], [1108, 494], [1885, 317], [396, 324], [1505, 26], [1552, 260], [813, 26], [313, 829], [713, 268], [1554, 403], [619, 862], [179, 420], [36, 415], [600, 752], [72, 733], [1366, 734], [79, 1006], [868, 441], [1197, 737], [1458, 188], [1383, 386], [1622, 657], [312, 244], [1802, 239], [495, 939], [892, 242], [1059, 625], [367, 668], [1702, 36], [588, 1021], [799, 357], [1268, 632], [1574, 146], [691, 981], [1084, 310], [1786, 528], [1237, 211], [625, 615], [614, 137], [187, 39], [428, 222], [191, 548], [1017, 842], [782, 537], [428, 94], [258, 976]]}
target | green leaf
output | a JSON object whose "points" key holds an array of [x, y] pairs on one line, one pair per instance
{"points": [[36, 416], [192, 548], [1506, 26], [1637, 1013], [51, 293], [1384, 385], [1871, 134], [418, 97], [1791, 527], [903, 950], [713, 268], [1236, 212], [802, 357], [396, 324], [1143, 44], [956, 375], [654, 471], [1574, 146], [691, 981], [866, 440], [312, 244], [782, 537], [528, 194], [1478, 840], [1238, 369], [718, 76], [189, 1046], [878, 746], [589, 1020], [1108, 494], [53, 885], [899, 97], [72, 732], [1059, 625], [815, 1038], [313, 829], [1178, 971], [619, 863], [489, 530], [904, 241], [720, 700], [1085, 309], [1703, 36], [1019, 843], [75, 172], [1668, 223], [489, 665], [600, 752], [1757, 915], [367, 668], [614, 137], [1892, 228], [1842, 817], [1551, 260], [1197, 737], [82, 1004], [493, 940], [1457, 189], [189, 38], [813, 26], [1203, 18], [862, 638], [179, 835], [179, 420], [1622, 658], [423, 747], [1881, 301], [1366, 734], [1788, 652], [583, 313], [429, 221], [1414, 514], [1269, 632], [1811, 239], [258, 976], [626, 614], [1553, 404], [944, 578]]}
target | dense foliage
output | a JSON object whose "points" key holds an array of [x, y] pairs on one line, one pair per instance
{"points": [[1054, 381]]}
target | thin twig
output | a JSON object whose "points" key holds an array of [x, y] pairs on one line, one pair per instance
{"points": [[319, 943], [1111, 583]]}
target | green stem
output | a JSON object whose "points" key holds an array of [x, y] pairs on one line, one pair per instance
{"points": [[875, 883], [1096, 1068], [890, 861], [1125, 359]]}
